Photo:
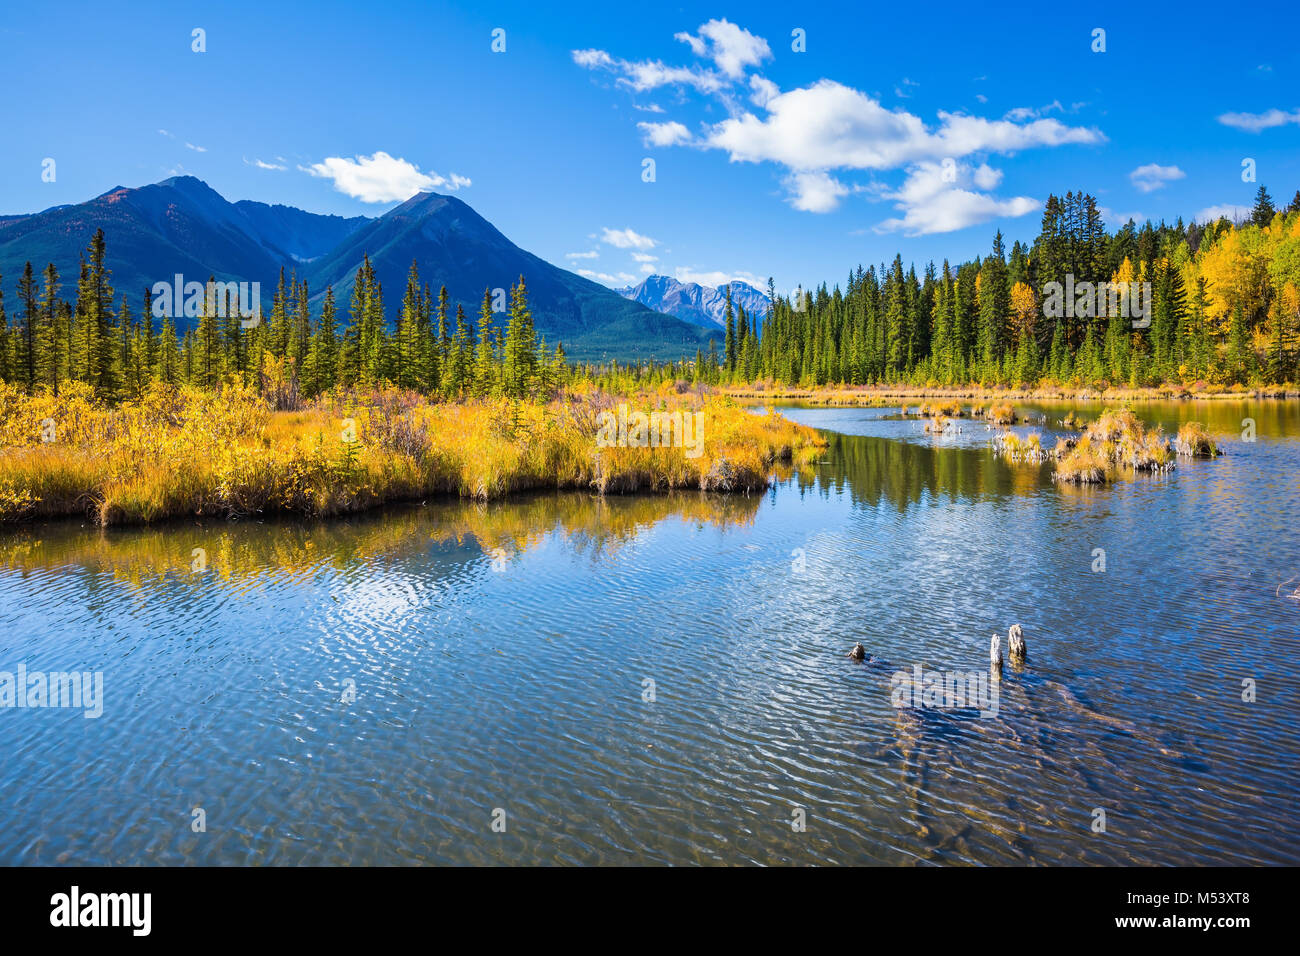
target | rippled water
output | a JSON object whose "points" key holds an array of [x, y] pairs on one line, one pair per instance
{"points": [[500, 659]]}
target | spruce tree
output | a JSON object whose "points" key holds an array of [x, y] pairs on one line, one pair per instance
{"points": [[27, 337], [1263, 212], [484, 360], [520, 346]]}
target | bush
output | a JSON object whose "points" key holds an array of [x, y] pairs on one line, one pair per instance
{"points": [[1194, 441]]}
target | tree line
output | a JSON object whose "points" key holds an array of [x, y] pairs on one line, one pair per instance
{"points": [[97, 338], [1224, 308]]}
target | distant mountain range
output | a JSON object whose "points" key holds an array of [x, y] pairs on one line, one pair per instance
{"points": [[698, 304], [182, 225]]}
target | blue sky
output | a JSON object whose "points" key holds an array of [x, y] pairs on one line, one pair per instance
{"points": [[899, 127]]}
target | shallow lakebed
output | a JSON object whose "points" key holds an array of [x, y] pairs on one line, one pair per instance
{"points": [[563, 678]]}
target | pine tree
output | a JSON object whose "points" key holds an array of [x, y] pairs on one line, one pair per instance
{"points": [[460, 355], [48, 370], [6, 341], [1263, 212], [319, 369], [407, 348], [149, 345], [300, 328], [170, 367], [730, 343], [277, 332], [99, 360], [442, 345], [520, 346], [485, 359], [206, 345], [27, 338], [1240, 364]]}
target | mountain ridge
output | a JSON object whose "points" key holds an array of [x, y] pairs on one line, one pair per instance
{"points": [[182, 225], [695, 303]]}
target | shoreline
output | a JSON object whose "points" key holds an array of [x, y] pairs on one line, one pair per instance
{"points": [[376, 509], [186, 454], [877, 394]]}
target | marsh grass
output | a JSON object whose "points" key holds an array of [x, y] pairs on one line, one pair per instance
{"points": [[190, 453], [1001, 413], [1195, 441], [1117, 439], [1021, 448]]}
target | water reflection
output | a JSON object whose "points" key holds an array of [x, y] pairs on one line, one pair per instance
{"points": [[665, 678]]}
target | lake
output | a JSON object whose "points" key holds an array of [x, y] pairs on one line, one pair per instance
{"points": [[566, 679]]}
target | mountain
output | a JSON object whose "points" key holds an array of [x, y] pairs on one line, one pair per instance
{"points": [[182, 225], [178, 225], [302, 236], [455, 246], [695, 303]]}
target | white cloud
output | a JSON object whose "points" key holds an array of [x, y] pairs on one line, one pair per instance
{"points": [[829, 125], [730, 47], [627, 239], [593, 254], [1228, 211], [819, 132], [1022, 113], [1152, 176], [623, 278], [1256, 122], [262, 165], [981, 97], [650, 74], [648, 108], [163, 132], [664, 134], [764, 90], [197, 149], [381, 178], [932, 202], [644, 257], [717, 279], [1118, 220], [814, 190], [985, 177]]}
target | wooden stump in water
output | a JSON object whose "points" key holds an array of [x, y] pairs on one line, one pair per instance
{"points": [[995, 653], [1016, 644]]}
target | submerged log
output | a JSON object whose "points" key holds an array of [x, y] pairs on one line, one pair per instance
{"points": [[1016, 644]]}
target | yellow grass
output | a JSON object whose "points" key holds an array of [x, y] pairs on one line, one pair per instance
{"points": [[1017, 448], [1002, 413], [886, 395], [1116, 439], [187, 453], [1194, 441], [241, 549]]}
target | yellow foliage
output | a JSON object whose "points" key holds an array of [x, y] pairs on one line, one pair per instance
{"points": [[189, 452]]}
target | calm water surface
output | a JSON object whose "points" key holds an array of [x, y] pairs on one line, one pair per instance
{"points": [[501, 660]]}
